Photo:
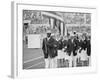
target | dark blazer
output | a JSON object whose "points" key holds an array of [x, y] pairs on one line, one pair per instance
{"points": [[88, 48], [60, 45], [83, 45], [65, 43], [70, 47], [49, 47], [75, 46]]}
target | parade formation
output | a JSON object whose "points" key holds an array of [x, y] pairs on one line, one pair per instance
{"points": [[67, 51], [65, 37]]}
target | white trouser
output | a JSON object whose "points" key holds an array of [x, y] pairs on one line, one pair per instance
{"points": [[83, 55], [61, 54], [78, 55], [70, 59], [89, 58], [51, 62], [74, 60]]}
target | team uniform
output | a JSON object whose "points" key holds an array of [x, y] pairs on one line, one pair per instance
{"points": [[75, 51], [83, 52], [50, 52], [89, 51], [69, 51], [61, 55]]}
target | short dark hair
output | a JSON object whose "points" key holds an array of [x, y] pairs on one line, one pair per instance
{"points": [[74, 32], [25, 23]]}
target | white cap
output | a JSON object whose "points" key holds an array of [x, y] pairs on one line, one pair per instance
{"points": [[48, 31], [52, 34]]}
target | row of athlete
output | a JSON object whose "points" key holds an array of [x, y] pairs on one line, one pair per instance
{"points": [[69, 47], [73, 48], [74, 43]]}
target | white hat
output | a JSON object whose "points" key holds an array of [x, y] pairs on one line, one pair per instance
{"points": [[52, 34], [48, 31]]}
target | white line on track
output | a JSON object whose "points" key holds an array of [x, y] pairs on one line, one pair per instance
{"points": [[33, 59], [34, 65]]}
